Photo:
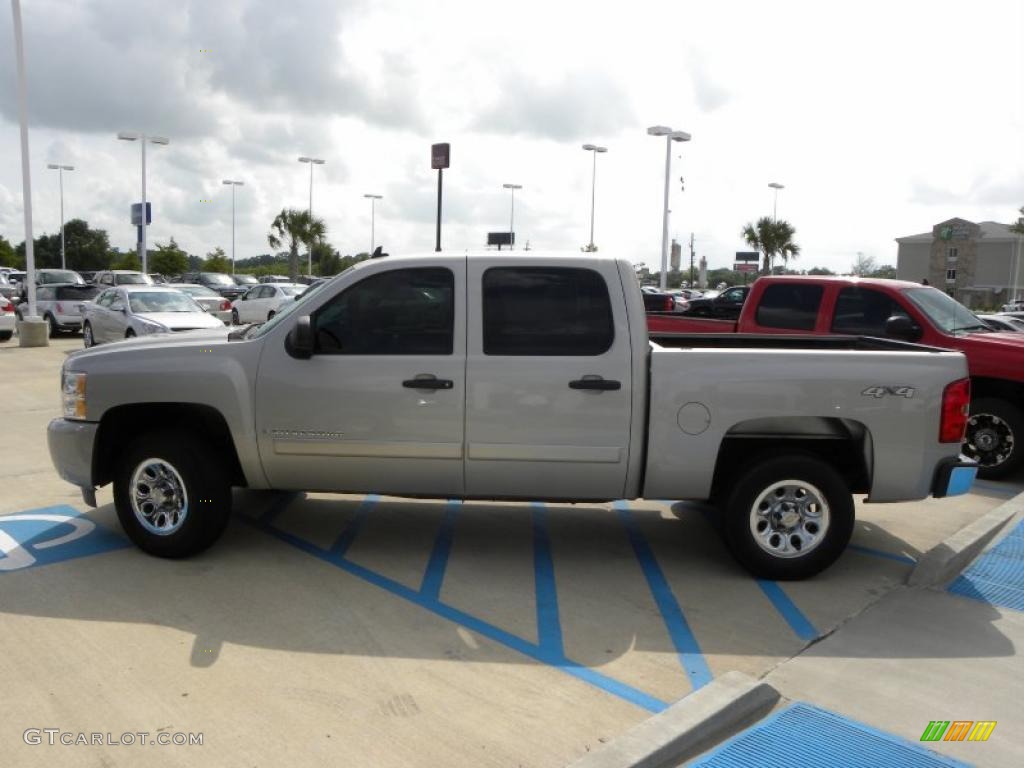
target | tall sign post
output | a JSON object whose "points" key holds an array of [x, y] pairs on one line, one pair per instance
{"points": [[440, 155]]}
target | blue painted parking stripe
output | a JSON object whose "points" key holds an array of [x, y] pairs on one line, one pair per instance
{"points": [[690, 655], [549, 627], [799, 623], [434, 576], [537, 653], [861, 549], [344, 541]]}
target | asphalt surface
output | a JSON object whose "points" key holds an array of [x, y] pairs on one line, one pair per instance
{"points": [[365, 630]]}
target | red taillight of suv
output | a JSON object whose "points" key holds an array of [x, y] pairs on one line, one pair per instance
{"points": [[224, 305], [956, 403]]}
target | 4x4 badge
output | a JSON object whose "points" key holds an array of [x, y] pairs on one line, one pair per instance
{"points": [[883, 391]]}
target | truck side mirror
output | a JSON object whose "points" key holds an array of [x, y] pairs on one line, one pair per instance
{"points": [[299, 342], [902, 327]]}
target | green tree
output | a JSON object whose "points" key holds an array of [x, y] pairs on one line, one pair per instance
{"points": [[820, 271], [772, 238], [84, 248], [126, 260], [886, 271], [292, 227], [863, 266], [168, 259], [1019, 226], [216, 261], [7, 255]]}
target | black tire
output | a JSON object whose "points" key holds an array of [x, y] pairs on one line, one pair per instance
{"points": [[270, 315], [6, 335], [206, 488], [995, 431], [52, 322], [129, 334], [815, 478], [88, 340], [234, 317]]}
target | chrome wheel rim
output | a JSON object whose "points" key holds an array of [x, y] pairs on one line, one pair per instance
{"points": [[158, 496], [789, 519], [989, 440]]}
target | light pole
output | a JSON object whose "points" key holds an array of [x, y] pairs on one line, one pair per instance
{"points": [[373, 205], [670, 136], [512, 216], [593, 181], [60, 169], [312, 161], [26, 178], [233, 184], [775, 205], [142, 139]]}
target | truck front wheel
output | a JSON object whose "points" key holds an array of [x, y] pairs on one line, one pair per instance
{"points": [[994, 430], [172, 494], [788, 517]]}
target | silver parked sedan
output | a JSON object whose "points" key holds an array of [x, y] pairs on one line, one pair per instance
{"points": [[139, 310], [208, 299]]}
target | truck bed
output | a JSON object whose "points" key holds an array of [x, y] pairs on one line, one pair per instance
{"points": [[786, 341]]}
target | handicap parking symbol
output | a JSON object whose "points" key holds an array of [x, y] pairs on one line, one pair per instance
{"points": [[52, 535]]}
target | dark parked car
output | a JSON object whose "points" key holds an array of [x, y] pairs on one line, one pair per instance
{"points": [[725, 306], [659, 302], [216, 281]]}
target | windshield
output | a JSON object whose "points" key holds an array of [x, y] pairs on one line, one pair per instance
{"points": [[60, 276], [945, 312], [292, 290], [161, 301], [245, 280], [133, 279], [216, 278]]}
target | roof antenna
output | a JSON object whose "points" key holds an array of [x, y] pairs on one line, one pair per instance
{"points": [[378, 253]]}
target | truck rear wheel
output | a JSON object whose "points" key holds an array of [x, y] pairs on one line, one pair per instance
{"points": [[788, 517], [172, 494], [994, 431]]}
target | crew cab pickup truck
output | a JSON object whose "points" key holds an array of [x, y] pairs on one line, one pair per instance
{"points": [[897, 310], [511, 377]]}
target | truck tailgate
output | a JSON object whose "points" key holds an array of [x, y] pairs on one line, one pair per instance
{"points": [[670, 323]]}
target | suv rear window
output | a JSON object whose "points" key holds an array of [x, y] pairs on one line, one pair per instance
{"points": [[77, 292], [546, 311], [789, 305]]}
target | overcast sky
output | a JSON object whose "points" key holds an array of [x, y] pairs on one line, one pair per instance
{"points": [[880, 118]]}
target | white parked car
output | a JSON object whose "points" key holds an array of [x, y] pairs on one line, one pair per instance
{"points": [[6, 319], [113, 277], [1014, 306], [208, 299], [261, 302], [61, 305], [138, 310]]}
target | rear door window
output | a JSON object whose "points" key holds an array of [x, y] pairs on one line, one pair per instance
{"points": [[549, 311], [77, 293], [792, 306]]}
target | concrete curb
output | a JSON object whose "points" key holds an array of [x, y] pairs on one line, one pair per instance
{"points": [[945, 561], [692, 723]]}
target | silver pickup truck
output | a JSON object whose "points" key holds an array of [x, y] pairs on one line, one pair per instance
{"points": [[501, 376]]}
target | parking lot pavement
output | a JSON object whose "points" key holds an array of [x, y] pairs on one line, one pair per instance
{"points": [[398, 631]]}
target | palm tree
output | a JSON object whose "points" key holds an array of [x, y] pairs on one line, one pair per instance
{"points": [[293, 227], [772, 238], [1019, 226]]}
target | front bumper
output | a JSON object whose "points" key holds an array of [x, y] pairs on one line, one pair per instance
{"points": [[954, 477], [71, 446]]}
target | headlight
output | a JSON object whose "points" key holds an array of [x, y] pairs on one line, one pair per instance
{"points": [[73, 390], [148, 326]]}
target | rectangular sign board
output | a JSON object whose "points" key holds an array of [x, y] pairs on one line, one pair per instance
{"points": [[753, 256], [744, 266], [440, 155], [137, 214], [501, 238]]}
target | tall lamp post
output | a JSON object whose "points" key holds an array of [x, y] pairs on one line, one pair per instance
{"points": [[593, 182], [512, 216], [312, 161], [142, 139], [670, 136], [233, 184], [373, 205], [60, 169], [775, 204]]}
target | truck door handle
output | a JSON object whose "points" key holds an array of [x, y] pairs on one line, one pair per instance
{"points": [[428, 382], [595, 382]]}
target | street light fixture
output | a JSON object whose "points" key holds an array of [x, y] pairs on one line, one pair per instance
{"points": [[233, 184], [670, 136], [142, 139], [775, 205], [60, 169], [593, 181], [373, 205], [512, 217], [312, 161]]}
